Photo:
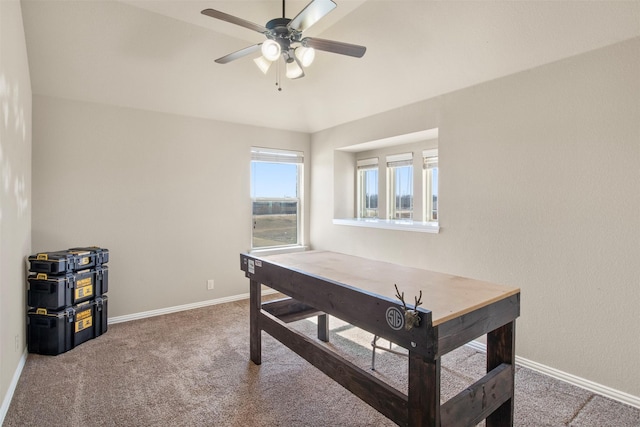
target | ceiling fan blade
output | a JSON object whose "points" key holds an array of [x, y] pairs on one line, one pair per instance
{"points": [[311, 14], [234, 20], [239, 54], [334, 46]]}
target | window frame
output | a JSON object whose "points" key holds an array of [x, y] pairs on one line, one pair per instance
{"points": [[363, 167], [279, 156], [394, 162], [430, 163]]}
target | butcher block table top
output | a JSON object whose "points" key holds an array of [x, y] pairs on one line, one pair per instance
{"points": [[445, 295]]}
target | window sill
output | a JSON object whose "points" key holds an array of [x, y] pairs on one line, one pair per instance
{"points": [[390, 224], [278, 250]]}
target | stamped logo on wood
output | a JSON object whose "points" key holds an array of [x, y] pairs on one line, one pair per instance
{"points": [[395, 318]]}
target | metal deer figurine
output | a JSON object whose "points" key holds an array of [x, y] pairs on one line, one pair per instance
{"points": [[411, 316]]}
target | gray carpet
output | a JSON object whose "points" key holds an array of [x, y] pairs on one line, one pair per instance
{"points": [[192, 369]]}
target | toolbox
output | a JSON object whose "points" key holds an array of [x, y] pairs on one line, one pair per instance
{"points": [[55, 332], [68, 261], [55, 292], [101, 255]]}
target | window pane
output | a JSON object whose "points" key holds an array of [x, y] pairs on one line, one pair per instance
{"points": [[403, 192], [430, 183], [431, 191], [277, 180], [275, 223], [368, 193], [434, 194], [275, 203]]}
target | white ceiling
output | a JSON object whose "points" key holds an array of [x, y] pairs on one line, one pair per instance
{"points": [[159, 55]]}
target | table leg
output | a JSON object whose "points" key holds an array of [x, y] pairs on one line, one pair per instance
{"points": [[424, 391], [501, 349], [255, 333], [323, 327]]}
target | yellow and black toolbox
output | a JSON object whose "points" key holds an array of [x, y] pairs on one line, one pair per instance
{"points": [[54, 292], [100, 255], [68, 261], [54, 332]]}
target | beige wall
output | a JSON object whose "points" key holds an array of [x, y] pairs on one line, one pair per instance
{"points": [[167, 195], [539, 188], [15, 190]]}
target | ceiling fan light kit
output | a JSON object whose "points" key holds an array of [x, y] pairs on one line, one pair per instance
{"points": [[305, 55], [294, 70], [284, 39], [271, 50], [263, 63]]}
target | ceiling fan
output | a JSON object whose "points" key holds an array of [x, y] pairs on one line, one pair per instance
{"points": [[284, 39]]}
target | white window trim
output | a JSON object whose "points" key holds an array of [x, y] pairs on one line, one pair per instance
{"points": [[276, 156], [396, 161], [433, 152], [365, 165], [390, 224], [279, 250], [395, 158], [428, 157], [273, 155]]}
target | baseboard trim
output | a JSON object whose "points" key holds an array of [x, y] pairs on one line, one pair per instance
{"points": [[12, 387], [611, 393], [177, 308]]}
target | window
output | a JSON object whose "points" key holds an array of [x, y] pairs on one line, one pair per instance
{"points": [[400, 185], [368, 188], [276, 177], [406, 195], [430, 184]]}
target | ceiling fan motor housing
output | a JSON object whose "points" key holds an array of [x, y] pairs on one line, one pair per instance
{"points": [[278, 25], [282, 34]]}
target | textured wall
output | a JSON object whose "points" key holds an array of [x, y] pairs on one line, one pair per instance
{"points": [[15, 189], [539, 179], [167, 195]]}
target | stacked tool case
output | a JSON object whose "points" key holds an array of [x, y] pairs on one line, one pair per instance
{"points": [[67, 300]]}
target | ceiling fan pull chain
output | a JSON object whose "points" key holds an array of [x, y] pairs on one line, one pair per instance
{"points": [[278, 82]]}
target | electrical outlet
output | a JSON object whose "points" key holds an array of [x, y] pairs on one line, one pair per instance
{"points": [[17, 342], [210, 284]]}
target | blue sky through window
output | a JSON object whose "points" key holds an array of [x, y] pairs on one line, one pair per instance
{"points": [[404, 181], [371, 182], [273, 179]]}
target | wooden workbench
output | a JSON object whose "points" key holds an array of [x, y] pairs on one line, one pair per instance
{"points": [[361, 292]]}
